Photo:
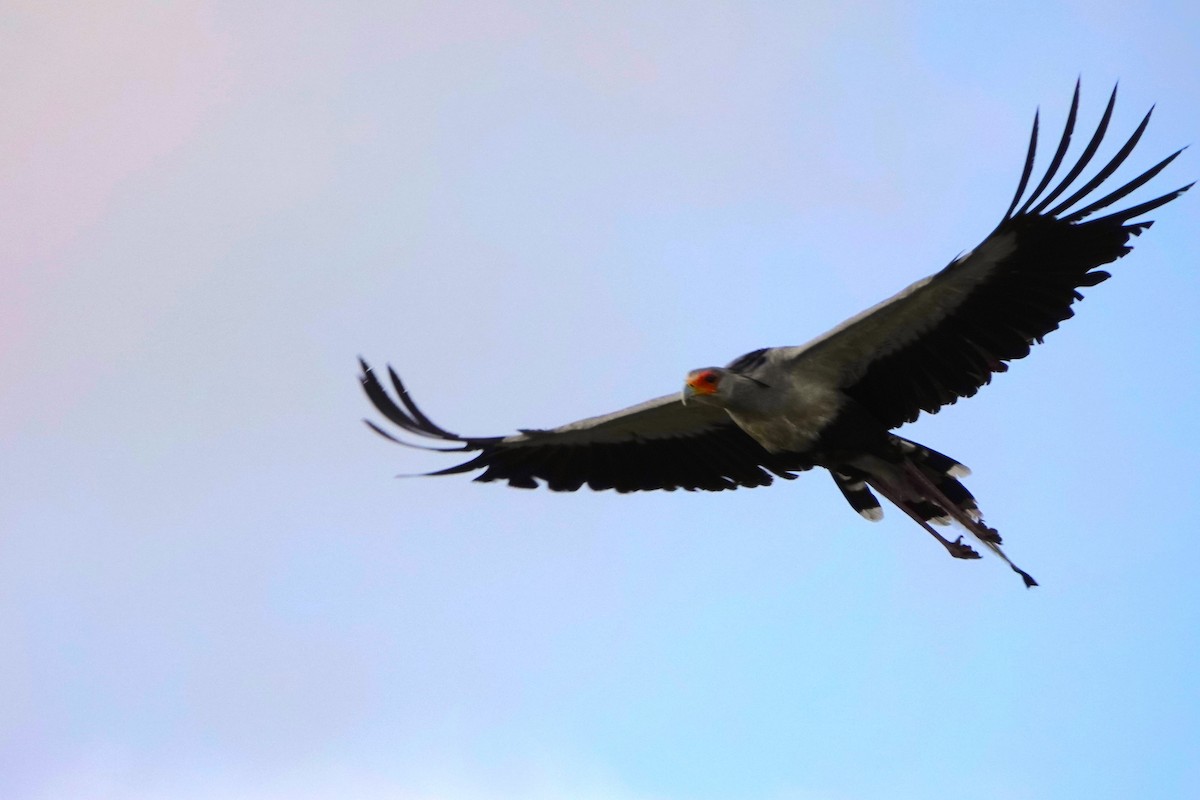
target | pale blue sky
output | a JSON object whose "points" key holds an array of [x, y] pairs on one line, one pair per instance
{"points": [[210, 584]]}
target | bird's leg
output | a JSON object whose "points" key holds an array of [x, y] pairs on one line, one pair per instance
{"points": [[987, 535], [957, 548]]}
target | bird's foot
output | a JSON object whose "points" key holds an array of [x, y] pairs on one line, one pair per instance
{"points": [[960, 549], [988, 534]]}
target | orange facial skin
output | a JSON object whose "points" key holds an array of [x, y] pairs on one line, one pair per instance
{"points": [[703, 381]]}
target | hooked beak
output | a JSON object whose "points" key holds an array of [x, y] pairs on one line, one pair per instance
{"points": [[698, 383]]}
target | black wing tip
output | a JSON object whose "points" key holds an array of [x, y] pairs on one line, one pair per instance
{"points": [[1038, 203], [1059, 153], [382, 432], [1030, 154], [367, 372], [406, 415]]}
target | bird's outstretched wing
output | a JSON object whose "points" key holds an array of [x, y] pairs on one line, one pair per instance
{"points": [[659, 444], [943, 337]]}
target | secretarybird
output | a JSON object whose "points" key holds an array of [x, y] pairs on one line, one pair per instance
{"points": [[832, 402]]}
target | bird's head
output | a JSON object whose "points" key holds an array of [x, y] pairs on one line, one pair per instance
{"points": [[724, 388], [708, 386]]}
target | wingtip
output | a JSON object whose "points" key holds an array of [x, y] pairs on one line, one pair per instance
{"points": [[382, 432], [1030, 154], [1112, 97]]}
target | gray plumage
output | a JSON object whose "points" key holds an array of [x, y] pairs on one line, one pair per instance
{"points": [[832, 403]]}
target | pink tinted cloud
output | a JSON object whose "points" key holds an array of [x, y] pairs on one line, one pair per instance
{"points": [[94, 95]]}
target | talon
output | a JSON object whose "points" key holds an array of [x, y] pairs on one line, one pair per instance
{"points": [[960, 550], [992, 535]]}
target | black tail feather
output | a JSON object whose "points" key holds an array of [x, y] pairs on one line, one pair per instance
{"points": [[854, 489], [925, 485]]}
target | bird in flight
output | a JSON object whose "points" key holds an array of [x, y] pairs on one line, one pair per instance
{"points": [[833, 402]]}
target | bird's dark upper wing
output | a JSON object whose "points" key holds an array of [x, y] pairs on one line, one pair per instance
{"points": [[659, 444], [944, 336]]}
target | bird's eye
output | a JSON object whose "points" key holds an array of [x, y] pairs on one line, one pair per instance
{"points": [[710, 378]]}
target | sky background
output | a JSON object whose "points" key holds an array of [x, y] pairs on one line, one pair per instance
{"points": [[211, 585]]}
